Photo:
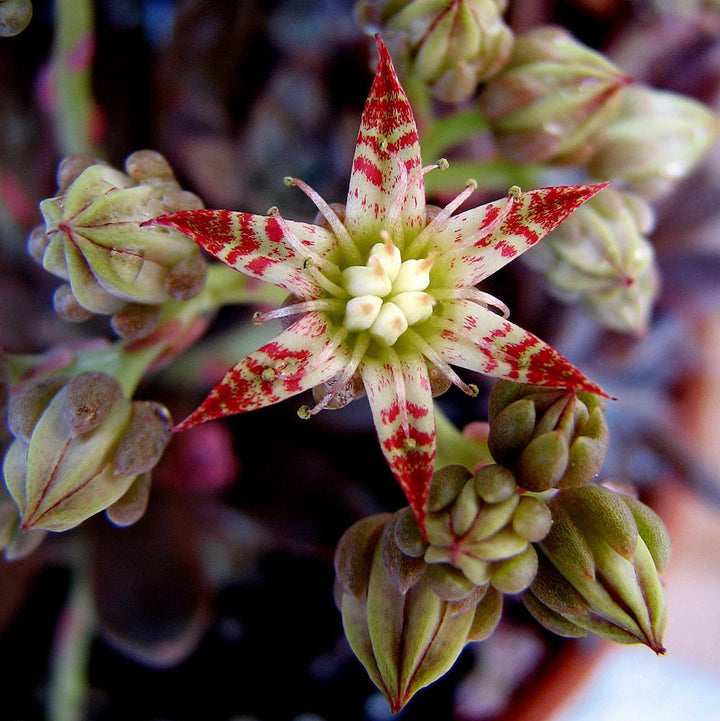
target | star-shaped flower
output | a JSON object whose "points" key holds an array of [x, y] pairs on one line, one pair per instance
{"points": [[383, 292]]}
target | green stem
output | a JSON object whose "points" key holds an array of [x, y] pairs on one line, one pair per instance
{"points": [[455, 448], [70, 654], [226, 286], [129, 362], [72, 65], [489, 174], [449, 131]]}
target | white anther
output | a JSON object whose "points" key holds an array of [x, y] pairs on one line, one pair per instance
{"points": [[415, 305], [388, 255], [361, 312], [368, 279], [390, 324], [413, 275]]}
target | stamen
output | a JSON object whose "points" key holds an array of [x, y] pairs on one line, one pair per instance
{"points": [[302, 250], [361, 345], [406, 183], [441, 218], [346, 243], [472, 294], [424, 347], [321, 304], [514, 193]]}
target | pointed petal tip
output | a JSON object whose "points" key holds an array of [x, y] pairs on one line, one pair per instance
{"points": [[383, 53], [194, 419]]}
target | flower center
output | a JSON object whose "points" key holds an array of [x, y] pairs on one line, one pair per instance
{"points": [[387, 293]]}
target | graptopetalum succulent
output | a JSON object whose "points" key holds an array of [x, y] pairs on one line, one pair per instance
{"points": [[382, 291]]}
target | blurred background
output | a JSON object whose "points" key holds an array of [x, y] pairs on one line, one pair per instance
{"points": [[218, 604]]}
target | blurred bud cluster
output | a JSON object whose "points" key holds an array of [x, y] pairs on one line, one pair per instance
{"points": [[451, 46], [94, 239], [80, 447], [583, 557]]}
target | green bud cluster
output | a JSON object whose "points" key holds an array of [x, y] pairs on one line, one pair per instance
{"points": [[601, 257], [552, 98], [80, 447], [479, 529], [93, 237], [548, 438], [451, 46], [657, 139], [406, 620], [599, 568]]}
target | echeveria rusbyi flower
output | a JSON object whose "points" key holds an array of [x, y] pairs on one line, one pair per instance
{"points": [[384, 290]]}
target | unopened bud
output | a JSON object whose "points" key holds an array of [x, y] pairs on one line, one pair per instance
{"points": [[28, 404], [145, 439], [355, 551], [97, 240], [602, 259], [66, 305], [548, 438], [79, 447], [658, 138], [484, 528], [552, 98], [131, 506], [135, 321], [606, 580], [450, 46], [406, 636], [87, 400]]}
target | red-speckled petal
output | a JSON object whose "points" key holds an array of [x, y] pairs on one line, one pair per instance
{"points": [[470, 336], [304, 355], [387, 140], [402, 408], [255, 245], [475, 244]]}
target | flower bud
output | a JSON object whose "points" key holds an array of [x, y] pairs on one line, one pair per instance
{"points": [[403, 628], [552, 98], [657, 139], [548, 438], [94, 237], [79, 447], [602, 258], [484, 528], [450, 46], [599, 568]]}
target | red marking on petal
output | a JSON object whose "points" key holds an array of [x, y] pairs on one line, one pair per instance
{"points": [[406, 438], [369, 170], [304, 355], [473, 337]]}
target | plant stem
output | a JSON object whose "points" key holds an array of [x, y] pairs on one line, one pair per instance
{"points": [[489, 174], [68, 685], [73, 52], [449, 131]]}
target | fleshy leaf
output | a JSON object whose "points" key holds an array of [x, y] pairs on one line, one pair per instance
{"points": [[254, 245], [387, 155], [304, 355], [402, 406], [475, 338]]}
